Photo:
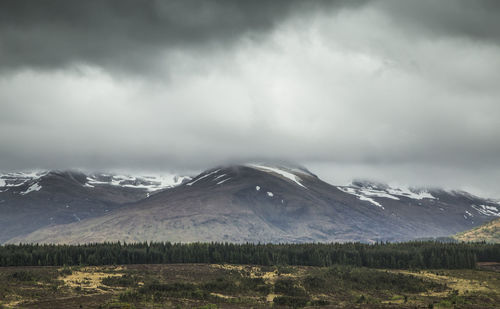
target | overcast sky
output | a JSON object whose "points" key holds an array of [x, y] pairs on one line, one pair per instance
{"points": [[398, 91]]}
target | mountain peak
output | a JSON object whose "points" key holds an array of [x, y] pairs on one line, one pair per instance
{"points": [[293, 174], [254, 202]]}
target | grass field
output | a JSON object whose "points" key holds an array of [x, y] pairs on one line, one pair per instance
{"points": [[237, 286]]}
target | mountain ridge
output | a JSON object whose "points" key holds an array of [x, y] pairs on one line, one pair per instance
{"points": [[33, 200], [276, 203]]}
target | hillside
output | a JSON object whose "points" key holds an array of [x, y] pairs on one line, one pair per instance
{"points": [[270, 203], [489, 232], [30, 201]]}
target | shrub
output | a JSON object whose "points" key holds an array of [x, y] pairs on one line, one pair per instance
{"points": [[319, 302], [65, 271], [288, 287], [291, 301], [22, 275], [314, 282], [123, 281], [130, 296]]}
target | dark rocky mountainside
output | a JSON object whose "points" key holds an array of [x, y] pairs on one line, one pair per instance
{"points": [[269, 203]]}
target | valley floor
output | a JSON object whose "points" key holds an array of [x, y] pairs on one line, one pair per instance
{"points": [[241, 286]]}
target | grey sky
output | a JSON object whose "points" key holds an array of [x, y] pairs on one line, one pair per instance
{"points": [[398, 91]]}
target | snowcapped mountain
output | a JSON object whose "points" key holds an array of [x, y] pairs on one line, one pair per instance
{"points": [[271, 203], [18, 180], [32, 200]]}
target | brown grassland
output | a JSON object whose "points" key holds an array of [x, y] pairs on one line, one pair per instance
{"points": [[246, 286]]}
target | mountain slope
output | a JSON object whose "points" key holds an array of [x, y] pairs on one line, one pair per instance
{"points": [[264, 203], [489, 232], [30, 201]]}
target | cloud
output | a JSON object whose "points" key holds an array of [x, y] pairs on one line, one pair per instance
{"points": [[395, 91], [132, 36], [474, 20]]}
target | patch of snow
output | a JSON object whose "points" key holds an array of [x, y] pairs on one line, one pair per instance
{"points": [[202, 177], [469, 214], [33, 187], [364, 198], [487, 210], [301, 171], [354, 192], [16, 179], [378, 193], [220, 176], [257, 188], [222, 181], [367, 191], [76, 217], [148, 183], [409, 193], [270, 194], [279, 171], [166, 180], [92, 181]]}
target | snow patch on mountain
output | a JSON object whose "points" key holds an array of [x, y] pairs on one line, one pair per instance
{"points": [[16, 179], [377, 193], [149, 183], [487, 210], [282, 172], [367, 191], [202, 177], [223, 181], [410, 193], [362, 197], [33, 187], [220, 176]]}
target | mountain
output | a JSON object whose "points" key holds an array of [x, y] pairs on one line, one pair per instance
{"points": [[33, 200], [488, 232], [276, 203]]}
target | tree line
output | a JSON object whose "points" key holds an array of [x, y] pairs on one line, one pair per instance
{"points": [[417, 255]]}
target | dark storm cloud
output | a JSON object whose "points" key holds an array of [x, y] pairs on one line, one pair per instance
{"points": [[389, 89], [476, 20], [129, 34]]}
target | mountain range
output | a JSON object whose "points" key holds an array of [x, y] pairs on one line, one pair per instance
{"points": [[235, 203]]}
